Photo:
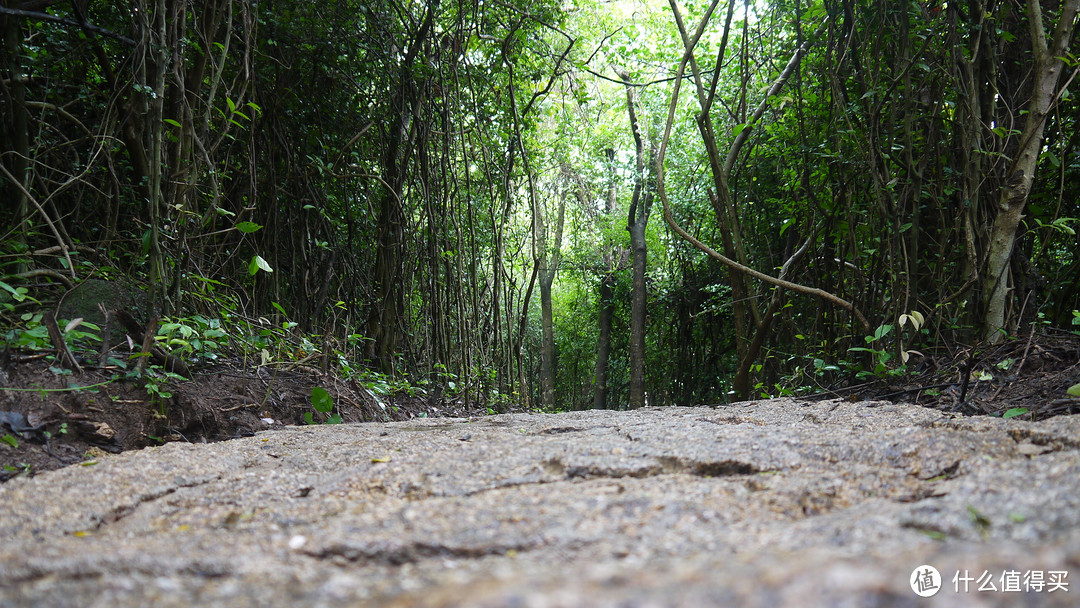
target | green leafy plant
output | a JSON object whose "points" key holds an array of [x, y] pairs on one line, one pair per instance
{"points": [[981, 522], [32, 335], [23, 468], [18, 294], [1060, 224], [258, 263], [1014, 412], [881, 357], [917, 320], [448, 379], [323, 403], [82, 334], [62, 430], [195, 336], [156, 383]]}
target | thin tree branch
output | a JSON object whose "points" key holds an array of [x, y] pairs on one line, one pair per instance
{"points": [[48, 220], [778, 84], [14, 12], [670, 219]]}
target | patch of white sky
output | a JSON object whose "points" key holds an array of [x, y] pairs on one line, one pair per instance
{"points": [[644, 11], [605, 29], [616, 35], [631, 35]]}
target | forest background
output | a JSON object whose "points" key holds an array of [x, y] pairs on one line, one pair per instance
{"points": [[552, 204]]}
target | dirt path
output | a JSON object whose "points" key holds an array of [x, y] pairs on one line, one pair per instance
{"points": [[774, 503]]}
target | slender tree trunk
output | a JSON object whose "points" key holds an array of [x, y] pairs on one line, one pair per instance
{"points": [[607, 299], [637, 221], [689, 42], [1048, 69], [603, 343], [746, 314], [974, 68], [741, 384], [384, 319], [549, 266], [15, 126], [638, 312], [726, 213], [184, 104], [519, 337], [154, 45]]}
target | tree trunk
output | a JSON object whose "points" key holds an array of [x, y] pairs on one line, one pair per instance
{"points": [[726, 213], [1048, 68], [16, 123], [637, 221], [689, 42], [154, 67], [384, 318], [603, 343], [746, 314], [638, 311], [548, 267], [741, 382], [607, 302]]}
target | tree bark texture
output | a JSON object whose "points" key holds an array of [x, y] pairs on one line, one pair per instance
{"points": [[1046, 79], [611, 260], [549, 266], [637, 221], [15, 125], [402, 138]]}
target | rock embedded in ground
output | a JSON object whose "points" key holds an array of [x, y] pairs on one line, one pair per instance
{"points": [[82, 301], [769, 503]]}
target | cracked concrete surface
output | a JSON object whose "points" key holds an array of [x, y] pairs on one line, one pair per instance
{"points": [[770, 503]]}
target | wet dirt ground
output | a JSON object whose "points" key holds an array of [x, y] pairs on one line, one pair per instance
{"points": [[51, 418]]}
